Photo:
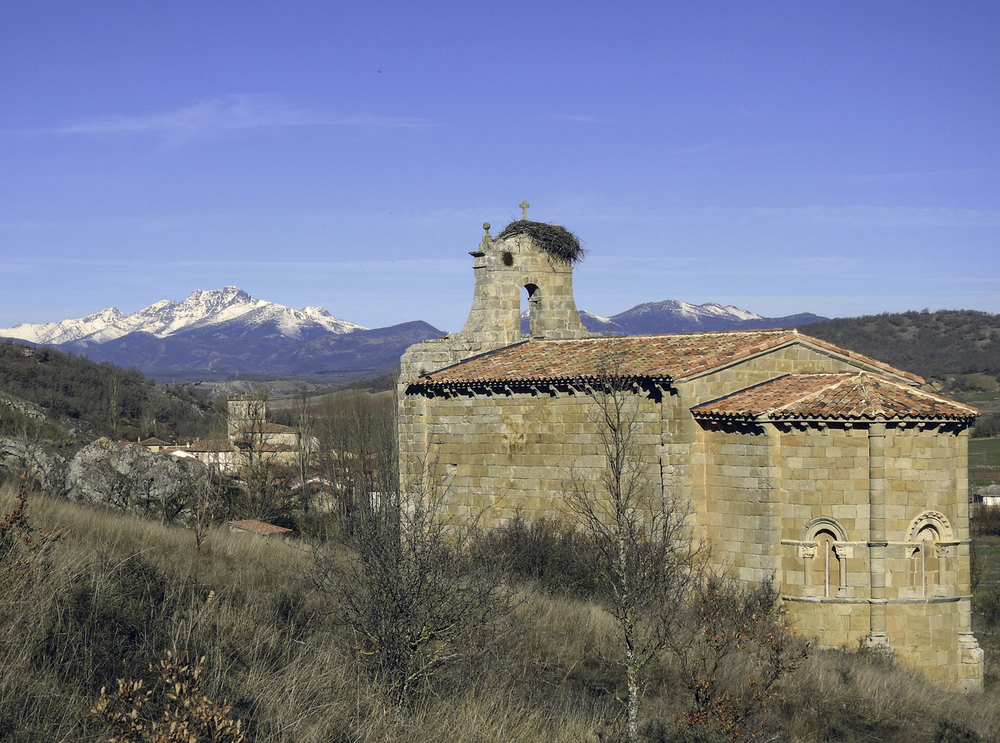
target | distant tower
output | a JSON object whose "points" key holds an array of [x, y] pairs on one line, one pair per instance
{"points": [[245, 411]]}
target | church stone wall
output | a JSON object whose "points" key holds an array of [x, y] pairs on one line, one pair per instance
{"points": [[741, 521], [513, 452], [757, 500]]}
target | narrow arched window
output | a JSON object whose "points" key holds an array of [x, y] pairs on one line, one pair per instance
{"points": [[924, 563], [530, 316], [826, 564]]}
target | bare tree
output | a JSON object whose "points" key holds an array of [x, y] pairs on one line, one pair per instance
{"points": [[358, 452], [305, 451], [258, 459], [406, 591], [114, 401], [647, 560]]}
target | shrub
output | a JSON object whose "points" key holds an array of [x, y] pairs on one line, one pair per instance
{"points": [[988, 606], [409, 594], [985, 521], [108, 620], [188, 715], [554, 556], [732, 656]]}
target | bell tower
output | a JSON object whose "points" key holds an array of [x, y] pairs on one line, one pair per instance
{"points": [[531, 256], [526, 256]]}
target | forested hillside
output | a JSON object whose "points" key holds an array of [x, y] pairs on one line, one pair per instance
{"points": [[935, 345], [81, 399]]}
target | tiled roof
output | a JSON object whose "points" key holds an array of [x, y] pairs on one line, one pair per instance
{"points": [[834, 396], [655, 357], [153, 442], [259, 527]]}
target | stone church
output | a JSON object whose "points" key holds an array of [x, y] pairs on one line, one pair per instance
{"points": [[831, 471]]}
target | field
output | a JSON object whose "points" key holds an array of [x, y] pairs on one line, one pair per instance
{"points": [[115, 594], [984, 461]]}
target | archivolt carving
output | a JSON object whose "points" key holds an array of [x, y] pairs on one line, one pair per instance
{"points": [[934, 519], [823, 523]]}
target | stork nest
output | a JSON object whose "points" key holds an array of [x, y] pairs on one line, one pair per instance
{"points": [[555, 240]]}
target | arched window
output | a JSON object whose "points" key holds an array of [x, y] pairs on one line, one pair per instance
{"points": [[928, 537], [531, 296], [924, 562], [826, 552], [826, 564]]}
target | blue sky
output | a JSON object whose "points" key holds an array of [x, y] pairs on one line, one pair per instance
{"points": [[841, 158]]}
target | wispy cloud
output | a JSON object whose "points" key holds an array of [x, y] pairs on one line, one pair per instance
{"points": [[851, 214], [219, 116]]}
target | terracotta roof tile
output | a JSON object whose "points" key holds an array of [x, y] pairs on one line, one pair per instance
{"points": [[658, 357], [834, 396], [153, 442]]}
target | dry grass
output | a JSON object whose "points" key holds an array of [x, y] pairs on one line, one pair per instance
{"points": [[854, 696], [115, 598]]}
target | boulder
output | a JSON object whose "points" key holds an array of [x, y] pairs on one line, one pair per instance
{"points": [[133, 479], [45, 471]]}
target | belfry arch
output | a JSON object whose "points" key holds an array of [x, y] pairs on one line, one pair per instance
{"points": [[533, 296], [522, 258]]}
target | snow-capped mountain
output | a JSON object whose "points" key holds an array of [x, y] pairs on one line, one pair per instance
{"points": [[202, 309], [673, 316], [226, 331]]}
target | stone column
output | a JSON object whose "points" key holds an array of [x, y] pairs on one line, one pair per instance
{"points": [[878, 636], [972, 655]]}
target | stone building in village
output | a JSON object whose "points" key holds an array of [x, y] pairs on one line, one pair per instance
{"points": [[833, 472], [250, 437]]}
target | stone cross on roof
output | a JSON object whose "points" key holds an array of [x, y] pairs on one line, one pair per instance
{"points": [[524, 209]]}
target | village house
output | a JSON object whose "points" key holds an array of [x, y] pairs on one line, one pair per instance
{"points": [[832, 472], [217, 454], [249, 435]]}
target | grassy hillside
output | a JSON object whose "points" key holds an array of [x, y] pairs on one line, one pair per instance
{"points": [[984, 461], [115, 595]]}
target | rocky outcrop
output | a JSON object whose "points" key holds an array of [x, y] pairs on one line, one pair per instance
{"points": [[45, 471], [25, 408], [134, 479]]}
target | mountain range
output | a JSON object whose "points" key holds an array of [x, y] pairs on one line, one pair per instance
{"points": [[673, 316], [228, 332]]}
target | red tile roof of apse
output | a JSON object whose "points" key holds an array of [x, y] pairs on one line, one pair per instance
{"points": [[662, 357], [834, 396]]}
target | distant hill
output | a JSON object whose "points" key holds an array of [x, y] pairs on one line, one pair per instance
{"points": [[672, 316], [230, 348], [217, 333], [932, 344], [67, 399]]}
